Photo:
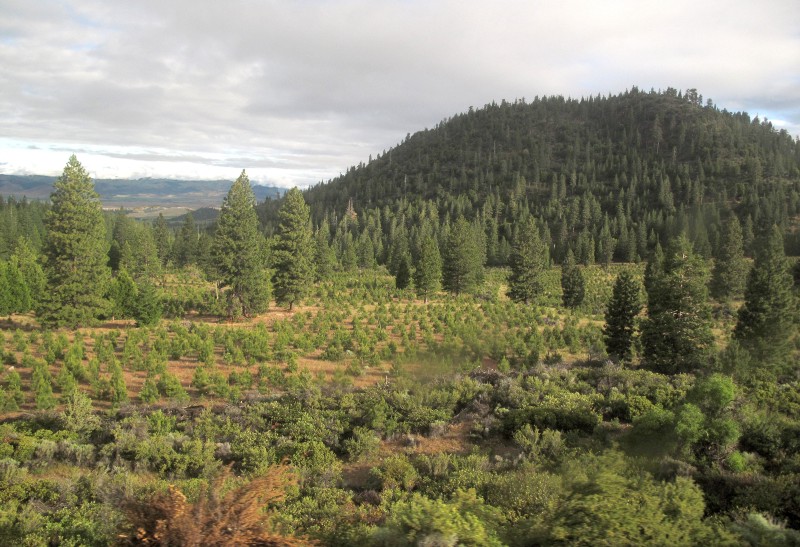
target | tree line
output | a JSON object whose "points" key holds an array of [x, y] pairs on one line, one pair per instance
{"points": [[82, 277]]}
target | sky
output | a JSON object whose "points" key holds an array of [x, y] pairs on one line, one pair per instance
{"points": [[295, 92]]}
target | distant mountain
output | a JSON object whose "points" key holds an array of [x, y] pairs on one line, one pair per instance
{"points": [[202, 217], [139, 192]]}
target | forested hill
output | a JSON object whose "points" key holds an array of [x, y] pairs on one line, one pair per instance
{"points": [[622, 171]]}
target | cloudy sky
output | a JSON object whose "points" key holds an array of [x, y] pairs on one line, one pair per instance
{"points": [[297, 91]]}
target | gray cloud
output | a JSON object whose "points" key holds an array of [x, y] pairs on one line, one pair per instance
{"points": [[298, 91]]}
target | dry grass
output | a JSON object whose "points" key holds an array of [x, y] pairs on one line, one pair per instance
{"points": [[241, 517]]}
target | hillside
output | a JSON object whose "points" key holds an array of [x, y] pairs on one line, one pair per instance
{"points": [[634, 168]]}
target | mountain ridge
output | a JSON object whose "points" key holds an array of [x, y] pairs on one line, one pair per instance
{"points": [[604, 176], [137, 192]]}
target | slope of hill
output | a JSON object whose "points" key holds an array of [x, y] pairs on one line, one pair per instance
{"points": [[630, 169]]}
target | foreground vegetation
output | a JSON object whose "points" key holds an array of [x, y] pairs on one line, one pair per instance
{"points": [[378, 419]]}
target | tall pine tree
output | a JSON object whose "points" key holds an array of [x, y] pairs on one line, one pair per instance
{"points": [[162, 237], [186, 243], [528, 261], [402, 278], [730, 268], [624, 306], [428, 275], [293, 255], [75, 252], [28, 263], [463, 258], [573, 284], [676, 337], [238, 251], [766, 320]]}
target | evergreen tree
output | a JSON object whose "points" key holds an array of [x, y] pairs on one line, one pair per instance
{"points": [[399, 248], [463, 260], [123, 294], [428, 274], [119, 389], [573, 284], [402, 278], [528, 261], [238, 253], [349, 258], [324, 256], [605, 245], [185, 247], [28, 263], [6, 300], [624, 306], [766, 320], [75, 252], [18, 289], [730, 268], [45, 400], [161, 237], [15, 297], [139, 253], [147, 310], [293, 256], [149, 393], [11, 397], [365, 251], [676, 336], [66, 382], [42, 386]]}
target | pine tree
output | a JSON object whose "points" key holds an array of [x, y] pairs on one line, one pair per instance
{"points": [[149, 393], [119, 389], [161, 237], [147, 310], [19, 293], [123, 293], [463, 258], [349, 259], [676, 336], [402, 278], [238, 251], [15, 296], [75, 252], [730, 268], [293, 256], [766, 323], [139, 253], [185, 246], [528, 261], [324, 256], [6, 299], [428, 274], [42, 386], [398, 249], [624, 306], [573, 284], [28, 263], [605, 245]]}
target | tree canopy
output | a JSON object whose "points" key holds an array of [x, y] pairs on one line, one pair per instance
{"points": [[294, 251], [75, 252], [238, 251]]}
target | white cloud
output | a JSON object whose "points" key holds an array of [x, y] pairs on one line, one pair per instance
{"points": [[297, 91]]}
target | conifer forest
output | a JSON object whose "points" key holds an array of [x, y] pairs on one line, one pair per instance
{"points": [[549, 322]]}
